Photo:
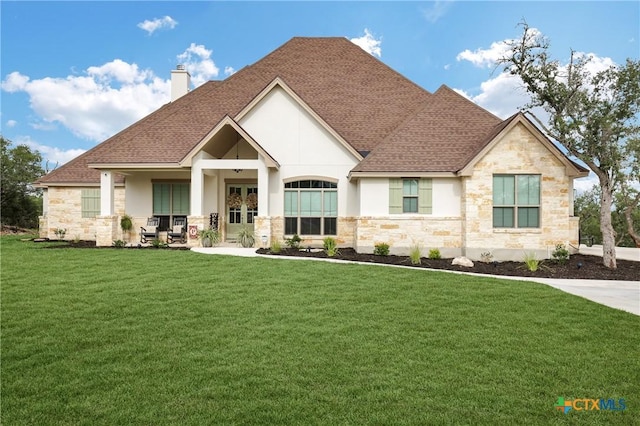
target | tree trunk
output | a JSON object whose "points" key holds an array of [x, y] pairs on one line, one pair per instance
{"points": [[608, 234], [634, 236]]}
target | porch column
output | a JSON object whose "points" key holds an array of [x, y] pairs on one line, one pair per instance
{"points": [[107, 183], [197, 188], [106, 223], [263, 187]]}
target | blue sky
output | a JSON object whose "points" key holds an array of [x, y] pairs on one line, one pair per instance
{"points": [[74, 73]]}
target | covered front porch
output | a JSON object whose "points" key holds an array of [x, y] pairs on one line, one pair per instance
{"points": [[222, 184]]}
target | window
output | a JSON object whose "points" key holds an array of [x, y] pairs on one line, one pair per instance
{"points": [[410, 196], [170, 200], [516, 201], [310, 207], [90, 201]]}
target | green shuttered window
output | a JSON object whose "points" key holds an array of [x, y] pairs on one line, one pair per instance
{"points": [[90, 200], [410, 196], [516, 201]]}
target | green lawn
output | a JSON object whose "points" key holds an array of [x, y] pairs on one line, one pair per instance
{"points": [[105, 336]]}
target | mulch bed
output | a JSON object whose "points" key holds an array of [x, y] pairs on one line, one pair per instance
{"points": [[579, 266]]}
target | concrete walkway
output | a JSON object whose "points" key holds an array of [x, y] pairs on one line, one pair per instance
{"points": [[627, 253], [623, 295]]}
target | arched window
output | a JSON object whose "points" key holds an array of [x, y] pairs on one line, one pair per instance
{"points": [[310, 207]]}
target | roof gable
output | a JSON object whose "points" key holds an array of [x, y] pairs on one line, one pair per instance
{"points": [[572, 169], [228, 121]]}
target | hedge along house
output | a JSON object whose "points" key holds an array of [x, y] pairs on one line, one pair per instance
{"points": [[320, 139]]}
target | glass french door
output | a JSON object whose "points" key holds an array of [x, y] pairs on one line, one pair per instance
{"points": [[242, 207]]}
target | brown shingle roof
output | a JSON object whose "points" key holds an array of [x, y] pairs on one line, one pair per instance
{"points": [[356, 94], [440, 137]]}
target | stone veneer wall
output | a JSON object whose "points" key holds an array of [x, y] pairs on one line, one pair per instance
{"points": [[273, 228], [65, 212], [404, 232], [518, 153]]}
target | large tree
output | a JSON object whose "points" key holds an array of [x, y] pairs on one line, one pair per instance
{"points": [[593, 115], [19, 202]]}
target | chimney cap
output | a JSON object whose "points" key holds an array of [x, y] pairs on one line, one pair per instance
{"points": [[180, 67]]}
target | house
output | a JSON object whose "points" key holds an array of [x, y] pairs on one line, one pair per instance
{"points": [[320, 139]]}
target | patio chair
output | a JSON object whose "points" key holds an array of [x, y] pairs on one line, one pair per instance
{"points": [[178, 232], [150, 231]]}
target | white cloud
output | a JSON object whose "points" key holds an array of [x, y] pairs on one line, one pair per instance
{"points": [[11, 123], [197, 60], [119, 71], [15, 82], [229, 71], [437, 10], [106, 98], [369, 43], [166, 22], [95, 105], [485, 58], [586, 183], [447, 67], [504, 94], [50, 154]]}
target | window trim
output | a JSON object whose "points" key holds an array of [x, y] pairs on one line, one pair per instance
{"points": [[322, 186], [516, 206]]}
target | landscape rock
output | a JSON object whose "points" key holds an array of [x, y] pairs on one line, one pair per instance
{"points": [[462, 261]]}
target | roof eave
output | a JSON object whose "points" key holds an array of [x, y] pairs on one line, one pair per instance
{"points": [[399, 174]]}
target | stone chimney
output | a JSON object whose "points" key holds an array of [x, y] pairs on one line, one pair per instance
{"points": [[180, 82]]}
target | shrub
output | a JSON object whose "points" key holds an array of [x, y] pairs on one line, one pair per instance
{"points": [[486, 257], [276, 246], [435, 254], [415, 254], [560, 254], [126, 223], [330, 246], [294, 242], [246, 237], [213, 235], [531, 262], [119, 244], [157, 243], [381, 249]]}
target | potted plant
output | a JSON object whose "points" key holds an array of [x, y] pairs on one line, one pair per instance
{"points": [[209, 237], [246, 237], [126, 224]]}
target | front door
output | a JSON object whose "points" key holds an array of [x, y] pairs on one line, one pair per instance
{"points": [[242, 207]]}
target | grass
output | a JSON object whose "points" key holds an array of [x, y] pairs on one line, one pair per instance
{"points": [[110, 336]]}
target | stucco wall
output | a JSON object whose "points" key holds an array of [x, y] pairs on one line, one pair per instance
{"points": [[446, 197], [302, 147], [519, 153]]}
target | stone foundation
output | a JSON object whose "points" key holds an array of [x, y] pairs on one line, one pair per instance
{"points": [[402, 233]]}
